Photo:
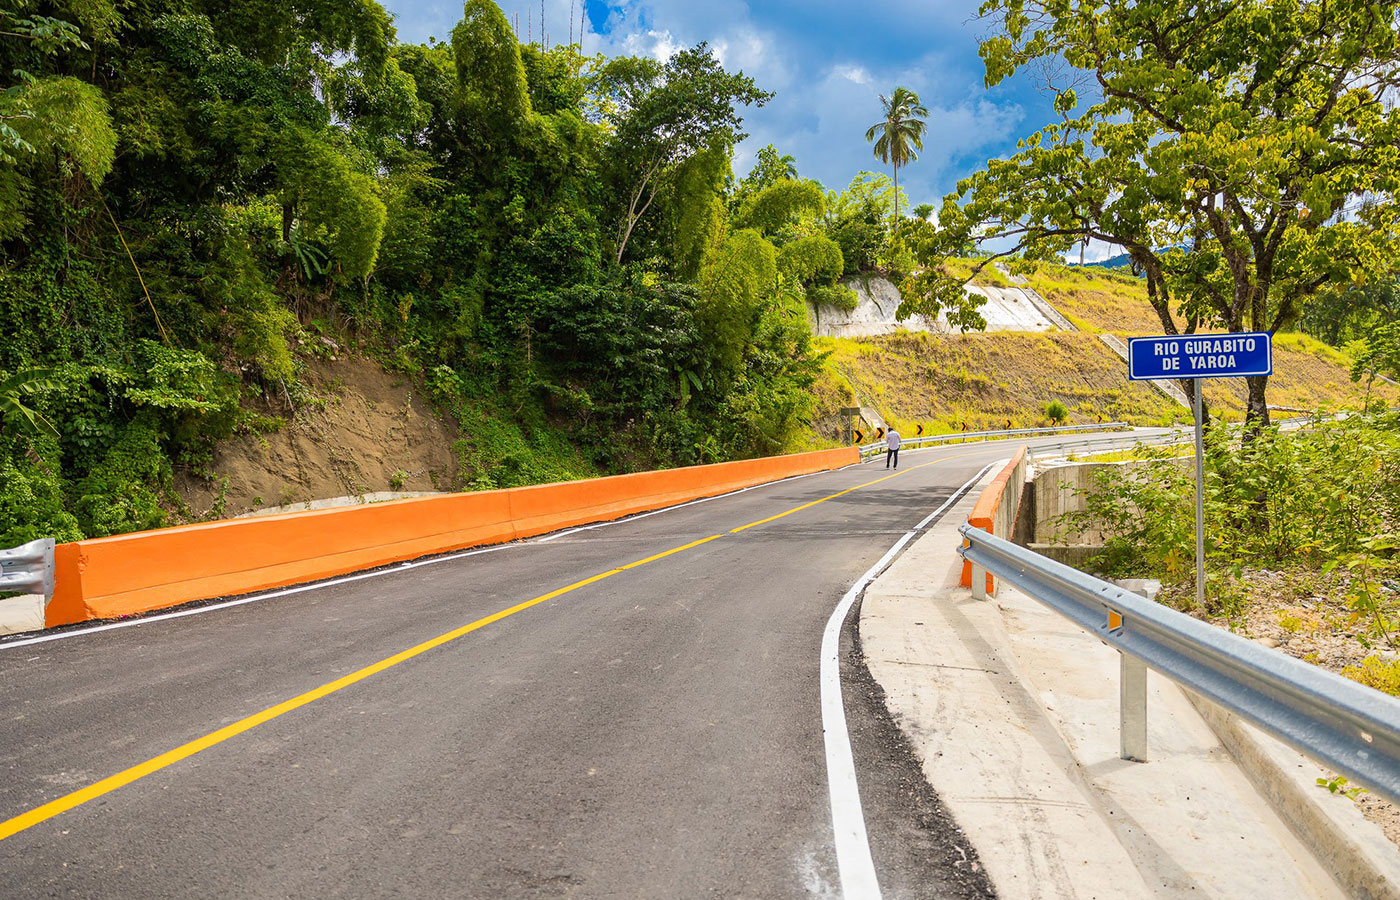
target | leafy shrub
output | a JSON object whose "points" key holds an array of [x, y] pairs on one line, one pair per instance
{"points": [[1326, 497], [32, 504], [1377, 672], [1056, 412], [837, 295]]}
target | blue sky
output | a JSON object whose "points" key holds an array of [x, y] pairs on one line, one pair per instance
{"points": [[828, 61]]}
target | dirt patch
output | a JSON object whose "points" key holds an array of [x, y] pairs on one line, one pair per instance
{"points": [[1307, 616], [366, 430]]}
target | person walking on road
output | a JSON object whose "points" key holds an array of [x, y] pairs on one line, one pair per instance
{"points": [[892, 442]]}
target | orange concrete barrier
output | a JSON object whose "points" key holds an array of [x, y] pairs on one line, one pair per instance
{"points": [[995, 510], [107, 578]]}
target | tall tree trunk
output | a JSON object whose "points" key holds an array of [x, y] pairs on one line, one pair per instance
{"points": [[896, 200], [1256, 416]]}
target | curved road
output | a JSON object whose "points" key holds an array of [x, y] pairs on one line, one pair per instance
{"points": [[629, 710]]}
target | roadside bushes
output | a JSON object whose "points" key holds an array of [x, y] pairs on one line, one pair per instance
{"points": [[122, 429], [1325, 498]]}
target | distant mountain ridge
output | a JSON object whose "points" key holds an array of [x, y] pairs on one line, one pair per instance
{"points": [[1121, 261]]}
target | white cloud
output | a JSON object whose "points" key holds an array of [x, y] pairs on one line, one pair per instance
{"points": [[852, 73], [659, 45]]}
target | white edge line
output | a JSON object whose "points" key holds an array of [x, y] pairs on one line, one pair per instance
{"points": [[252, 598], [388, 570], [853, 859]]}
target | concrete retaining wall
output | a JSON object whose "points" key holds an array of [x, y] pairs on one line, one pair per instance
{"points": [[1062, 488]]}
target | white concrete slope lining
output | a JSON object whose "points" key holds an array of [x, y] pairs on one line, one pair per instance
{"points": [[1006, 309], [1116, 344]]}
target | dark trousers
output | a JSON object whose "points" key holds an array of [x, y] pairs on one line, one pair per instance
{"points": [[892, 455]]}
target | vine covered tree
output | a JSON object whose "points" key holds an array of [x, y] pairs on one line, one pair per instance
{"points": [[661, 116], [1244, 154], [899, 136], [202, 204]]}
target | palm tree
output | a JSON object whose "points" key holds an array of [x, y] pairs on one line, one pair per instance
{"points": [[901, 134]]}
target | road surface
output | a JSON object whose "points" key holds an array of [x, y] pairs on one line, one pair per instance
{"points": [[625, 711]]}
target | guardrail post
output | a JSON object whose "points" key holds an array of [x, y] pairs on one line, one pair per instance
{"points": [[1132, 713]]}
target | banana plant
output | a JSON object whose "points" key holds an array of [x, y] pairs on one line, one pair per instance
{"points": [[14, 412]]}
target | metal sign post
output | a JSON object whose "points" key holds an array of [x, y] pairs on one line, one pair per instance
{"points": [[1196, 357], [1198, 409], [850, 413]]}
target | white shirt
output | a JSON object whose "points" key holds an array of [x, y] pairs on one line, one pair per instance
{"points": [[892, 439]]}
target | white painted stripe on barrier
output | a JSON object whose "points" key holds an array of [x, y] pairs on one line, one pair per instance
{"points": [[252, 598], [854, 863]]}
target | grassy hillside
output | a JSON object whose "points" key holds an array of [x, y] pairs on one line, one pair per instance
{"points": [[1308, 374], [986, 380]]}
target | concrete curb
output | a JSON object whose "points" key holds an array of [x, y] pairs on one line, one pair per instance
{"points": [[22, 613], [1013, 713], [1352, 848]]}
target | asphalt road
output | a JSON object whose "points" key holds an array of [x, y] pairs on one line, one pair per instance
{"points": [[653, 733]]}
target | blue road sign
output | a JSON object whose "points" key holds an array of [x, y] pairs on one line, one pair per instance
{"points": [[1200, 356]]}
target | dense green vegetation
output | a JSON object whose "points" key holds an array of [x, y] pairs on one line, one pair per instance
{"points": [[192, 192], [1324, 499]]}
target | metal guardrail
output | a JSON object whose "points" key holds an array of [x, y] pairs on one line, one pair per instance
{"points": [[1091, 445], [1351, 729], [28, 568], [878, 447], [1127, 442]]}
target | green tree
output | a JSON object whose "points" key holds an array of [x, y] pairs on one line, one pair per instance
{"points": [[1377, 355], [1243, 154], [494, 91], [780, 204], [732, 294], [1340, 314], [661, 116], [900, 135], [771, 167]]}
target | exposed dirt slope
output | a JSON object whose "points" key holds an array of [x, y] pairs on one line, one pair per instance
{"points": [[367, 430]]}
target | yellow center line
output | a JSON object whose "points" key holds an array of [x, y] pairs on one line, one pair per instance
{"points": [[832, 497], [111, 783]]}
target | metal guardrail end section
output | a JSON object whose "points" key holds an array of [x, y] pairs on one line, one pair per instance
{"points": [[1352, 729], [28, 568]]}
